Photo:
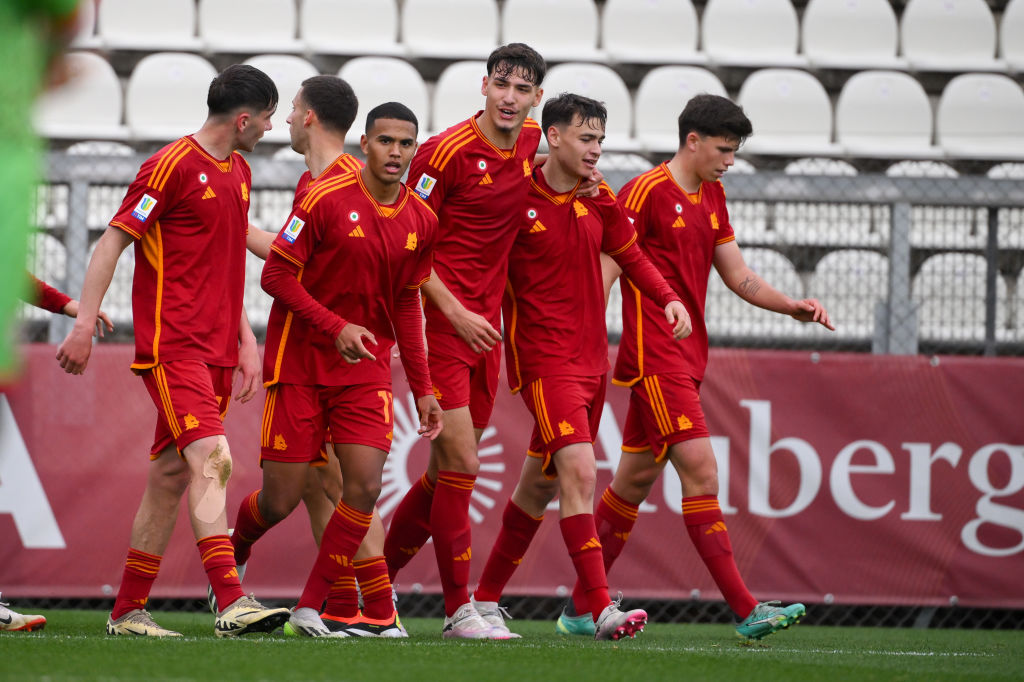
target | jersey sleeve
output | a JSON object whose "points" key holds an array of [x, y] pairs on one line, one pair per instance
{"points": [[725, 231], [427, 240], [46, 297], [150, 195], [424, 177], [297, 239]]}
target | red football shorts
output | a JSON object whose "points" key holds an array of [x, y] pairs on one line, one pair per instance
{"points": [[294, 419], [664, 409], [191, 399], [462, 377], [566, 410]]}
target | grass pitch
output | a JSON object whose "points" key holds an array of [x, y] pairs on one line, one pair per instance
{"points": [[74, 647]]}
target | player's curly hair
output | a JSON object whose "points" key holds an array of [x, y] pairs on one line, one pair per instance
{"points": [[241, 86], [714, 116], [517, 58]]}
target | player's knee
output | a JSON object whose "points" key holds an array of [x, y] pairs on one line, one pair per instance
{"points": [[277, 509], [362, 495]]}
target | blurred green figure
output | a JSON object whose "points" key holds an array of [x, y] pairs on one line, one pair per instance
{"points": [[33, 34]]}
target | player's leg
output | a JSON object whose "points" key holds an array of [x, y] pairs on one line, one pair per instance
{"points": [[378, 616]]}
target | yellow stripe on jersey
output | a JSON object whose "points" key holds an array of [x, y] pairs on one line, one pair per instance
{"points": [[723, 240], [446, 147], [153, 250], [640, 190], [317, 193], [512, 337], [287, 256], [167, 162], [126, 228], [531, 123], [628, 244], [639, 340]]}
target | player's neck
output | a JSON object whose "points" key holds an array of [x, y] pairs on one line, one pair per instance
{"points": [[322, 153], [384, 194], [684, 173], [216, 139], [558, 177], [502, 139]]}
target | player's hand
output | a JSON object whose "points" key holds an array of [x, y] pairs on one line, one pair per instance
{"points": [[249, 369], [590, 186], [102, 320], [810, 310], [350, 343], [475, 330], [73, 353], [431, 417], [675, 312]]}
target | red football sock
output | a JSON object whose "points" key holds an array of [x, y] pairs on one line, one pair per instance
{"points": [[342, 537], [140, 570], [342, 597], [614, 518], [410, 526], [249, 527], [706, 526], [449, 521], [375, 587], [219, 562], [580, 536], [517, 530]]}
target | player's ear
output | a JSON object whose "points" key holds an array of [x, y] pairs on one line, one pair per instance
{"points": [[242, 120], [483, 86], [538, 96], [364, 144], [554, 138]]}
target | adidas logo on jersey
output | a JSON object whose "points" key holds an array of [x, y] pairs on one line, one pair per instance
{"points": [[538, 227], [358, 232], [486, 180], [679, 222], [209, 193], [465, 556]]}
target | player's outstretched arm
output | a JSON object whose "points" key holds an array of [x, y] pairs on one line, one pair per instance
{"points": [[73, 353], [102, 319], [431, 416], [474, 329], [749, 286]]}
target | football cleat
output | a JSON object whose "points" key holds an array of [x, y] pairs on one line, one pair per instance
{"points": [[768, 617], [575, 625], [13, 621], [138, 622], [466, 623], [305, 622], [246, 615], [494, 615], [363, 626], [615, 624]]}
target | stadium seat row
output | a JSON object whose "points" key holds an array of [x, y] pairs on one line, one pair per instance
{"points": [[852, 34], [878, 113]]}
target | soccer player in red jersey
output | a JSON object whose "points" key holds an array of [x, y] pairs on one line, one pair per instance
{"points": [[345, 273], [187, 213], [322, 112], [556, 352], [56, 301], [680, 215], [475, 175]]}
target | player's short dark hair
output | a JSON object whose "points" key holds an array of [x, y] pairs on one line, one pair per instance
{"points": [[395, 110], [562, 111], [714, 116], [332, 100], [241, 86], [517, 58]]}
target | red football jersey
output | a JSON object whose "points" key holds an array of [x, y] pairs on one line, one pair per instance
{"points": [[554, 300], [679, 232], [346, 163], [477, 191], [356, 258], [188, 213]]}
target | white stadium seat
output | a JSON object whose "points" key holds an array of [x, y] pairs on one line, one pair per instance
{"points": [[601, 83], [148, 25], [385, 79], [561, 30], [650, 32], [849, 283], [950, 290], [939, 226], [358, 27], [981, 116], [88, 105], [885, 114], [427, 28], [751, 33], [86, 37], [791, 113], [850, 34], [729, 315], [456, 94], [1011, 36], [953, 35], [287, 72], [166, 95], [262, 26], [661, 96]]}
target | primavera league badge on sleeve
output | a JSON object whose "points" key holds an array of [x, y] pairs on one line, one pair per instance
{"points": [[425, 186], [292, 230], [144, 208]]}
